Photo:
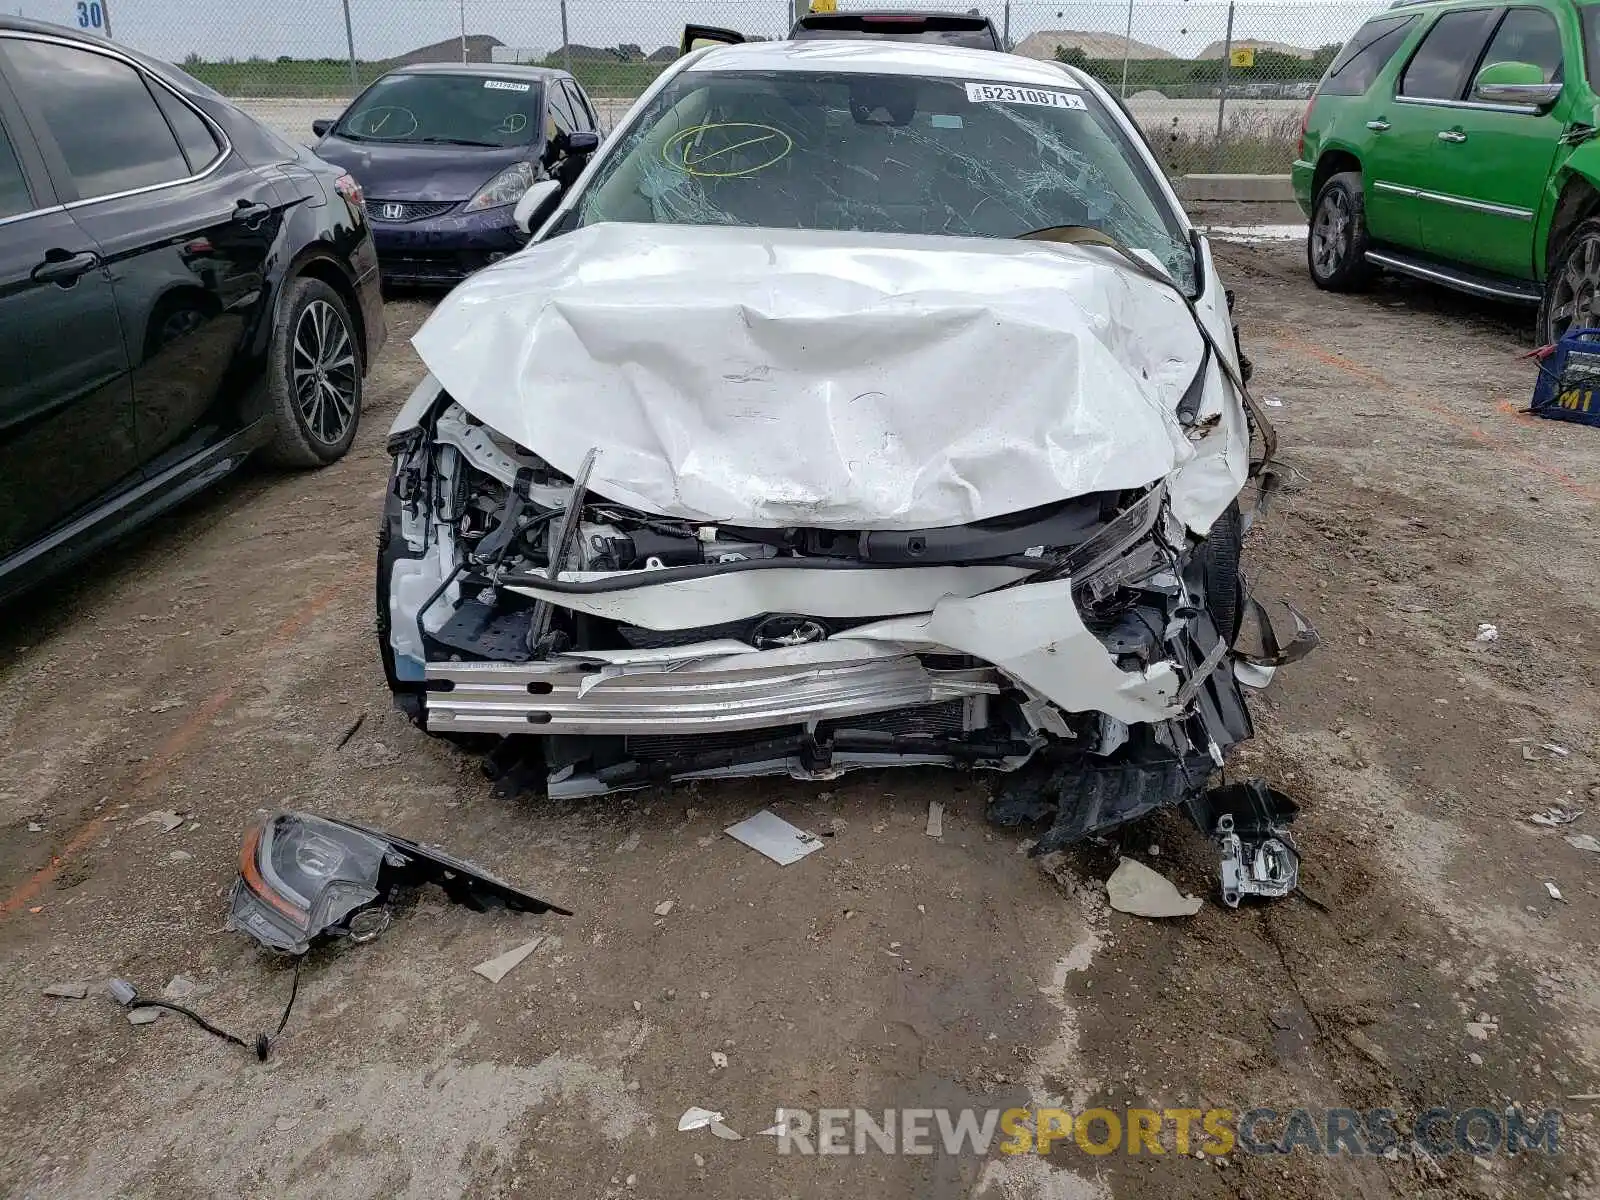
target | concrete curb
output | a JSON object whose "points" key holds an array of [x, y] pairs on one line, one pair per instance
{"points": [[1236, 189]]}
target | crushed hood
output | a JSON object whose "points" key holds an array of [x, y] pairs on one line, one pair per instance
{"points": [[777, 378]]}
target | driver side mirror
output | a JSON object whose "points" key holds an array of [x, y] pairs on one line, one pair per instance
{"points": [[321, 126], [535, 205], [582, 143], [1515, 83]]}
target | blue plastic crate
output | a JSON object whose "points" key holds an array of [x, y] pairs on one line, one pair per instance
{"points": [[1569, 380]]}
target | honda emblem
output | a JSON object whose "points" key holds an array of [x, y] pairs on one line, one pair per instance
{"points": [[393, 212]]}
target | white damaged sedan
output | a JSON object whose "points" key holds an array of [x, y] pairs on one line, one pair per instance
{"points": [[862, 404]]}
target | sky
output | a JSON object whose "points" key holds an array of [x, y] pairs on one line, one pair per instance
{"points": [[240, 29]]}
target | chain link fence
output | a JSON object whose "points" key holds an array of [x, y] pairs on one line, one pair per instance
{"points": [[1216, 86]]}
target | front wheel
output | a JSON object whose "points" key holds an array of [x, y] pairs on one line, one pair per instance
{"points": [[1572, 285], [314, 376], [1336, 245]]}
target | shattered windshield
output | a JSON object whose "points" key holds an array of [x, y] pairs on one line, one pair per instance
{"points": [[885, 154]]}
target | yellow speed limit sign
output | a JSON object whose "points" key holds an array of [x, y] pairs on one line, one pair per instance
{"points": [[1243, 56]]}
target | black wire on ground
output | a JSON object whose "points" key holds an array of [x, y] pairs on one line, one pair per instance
{"points": [[263, 1041]]}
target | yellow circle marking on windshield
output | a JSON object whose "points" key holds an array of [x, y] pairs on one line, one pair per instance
{"points": [[772, 145]]}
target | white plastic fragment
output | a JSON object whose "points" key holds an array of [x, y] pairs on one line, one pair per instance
{"points": [[164, 817], [1487, 633], [719, 1060], [771, 835], [1137, 890], [1584, 841], [74, 989], [500, 966], [1555, 892], [143, 1016], [935, 819], [726, 1134], [1555, 816], [664, 908], [1558, 751], [705, 1118]]}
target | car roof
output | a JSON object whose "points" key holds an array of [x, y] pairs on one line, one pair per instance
{"points": [[822, 18], [480, 70], [884, 56]]}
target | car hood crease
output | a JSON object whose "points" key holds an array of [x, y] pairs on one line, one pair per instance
{"points": [[776, 378]]}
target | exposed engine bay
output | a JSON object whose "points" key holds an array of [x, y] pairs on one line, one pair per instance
{"points": [[1092, 633]]}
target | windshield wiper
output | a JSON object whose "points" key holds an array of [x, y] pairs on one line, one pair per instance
{"points": [[451, 141]]}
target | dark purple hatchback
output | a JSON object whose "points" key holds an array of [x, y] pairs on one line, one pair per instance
{"points": [[444, 151]]}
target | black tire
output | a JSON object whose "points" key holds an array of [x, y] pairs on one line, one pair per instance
{"points": [[315, 343], [1336, 242], [1572, 284], [1219, 565]]}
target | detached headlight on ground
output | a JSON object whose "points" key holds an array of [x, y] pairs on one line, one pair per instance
{"points": [[301, 877], [505, 188]]}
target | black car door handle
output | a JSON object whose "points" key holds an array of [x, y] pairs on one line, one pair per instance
{"points": [[66, 268], [251, 215]]}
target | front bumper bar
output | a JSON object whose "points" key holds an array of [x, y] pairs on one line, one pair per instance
{"points": [[571, 696]]}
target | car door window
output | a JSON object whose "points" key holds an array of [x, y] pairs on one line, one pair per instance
{"points": [[1527, 35], [108, 127], [1438, 70], [561, 111], [1365, 55], [194, 135], [583, 119], [14, 195]]}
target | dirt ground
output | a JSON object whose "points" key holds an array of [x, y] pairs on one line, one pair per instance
{"points": [[212, 666]]}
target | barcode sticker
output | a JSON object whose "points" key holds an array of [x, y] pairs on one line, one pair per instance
{"points": [[505, 85], [1005, 93]]}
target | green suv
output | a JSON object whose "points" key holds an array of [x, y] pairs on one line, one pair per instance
{"points": [[1456, 142]]}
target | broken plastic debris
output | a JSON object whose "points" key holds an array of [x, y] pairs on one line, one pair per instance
{"points": [[719, 1060], [705, 1118], [1555, 892], [166, 818], [499, 967], [1555, 816], [935, 819], [1584, 841], [179, 987], [143, 1016], [1558, 751], [75, 989], [771, 835], [664, 908], [1137, 890], [1487, 632]]}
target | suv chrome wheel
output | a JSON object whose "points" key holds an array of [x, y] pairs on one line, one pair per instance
{"points": [[1573, 297], [1330, 235]]}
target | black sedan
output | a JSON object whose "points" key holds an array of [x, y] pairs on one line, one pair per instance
{"points": [[444, 151], [179, 287]]}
